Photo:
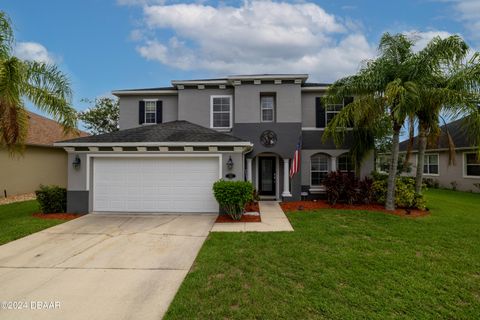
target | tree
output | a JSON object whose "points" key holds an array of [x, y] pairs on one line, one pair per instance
{"points": [[102, 117], [385, 86], [453, 89], [42, 84]]}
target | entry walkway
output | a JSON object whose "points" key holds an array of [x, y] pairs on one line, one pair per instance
{"points": [[273, 219]]}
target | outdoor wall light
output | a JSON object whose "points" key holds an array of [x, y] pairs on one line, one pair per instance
{"points": [[230, 163], [76, 162]]}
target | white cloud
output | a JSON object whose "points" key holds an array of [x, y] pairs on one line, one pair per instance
{"points": [[422, 38], [33, 51], [469, 13], [258, 36]]}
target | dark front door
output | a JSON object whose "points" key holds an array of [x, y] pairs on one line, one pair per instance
{"points": [[266, 179]]}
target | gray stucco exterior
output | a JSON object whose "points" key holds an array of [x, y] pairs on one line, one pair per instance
{"points": [[190, 100]]}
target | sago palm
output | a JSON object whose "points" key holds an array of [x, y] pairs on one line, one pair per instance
{"points": [[42, 84]]}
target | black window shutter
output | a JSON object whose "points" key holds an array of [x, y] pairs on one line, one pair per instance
{"points": [[348, 100], [141, 112], [319, 113], [159, 111]]}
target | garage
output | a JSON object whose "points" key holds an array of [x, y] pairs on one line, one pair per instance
{"points": [[155, 184]]}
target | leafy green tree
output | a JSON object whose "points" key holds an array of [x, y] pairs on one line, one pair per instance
{"points": [[102, 117], [42, 84]]}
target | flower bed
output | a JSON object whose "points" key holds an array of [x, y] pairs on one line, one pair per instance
{"points": [[314, 205], [224, 218], [61, 216]]}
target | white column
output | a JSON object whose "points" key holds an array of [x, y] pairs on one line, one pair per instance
{"points": [[334, 164], [249, 169], [286, 179]]}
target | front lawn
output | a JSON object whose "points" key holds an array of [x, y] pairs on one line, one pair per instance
{"points": [[343, 265], [16, 220]]}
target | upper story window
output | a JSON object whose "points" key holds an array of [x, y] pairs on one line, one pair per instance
{"points": [[221, 112], [472, 165], [430, 164], [267, 107], [150, 111], [319, 166], [331, 110], [345, 163]]}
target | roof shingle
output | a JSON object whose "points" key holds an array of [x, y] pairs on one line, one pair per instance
{"points": [[175, 131]]}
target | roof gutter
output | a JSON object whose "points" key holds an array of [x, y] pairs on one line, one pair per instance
{"points": [[151, 144]]}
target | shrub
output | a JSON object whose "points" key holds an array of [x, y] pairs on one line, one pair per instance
{"points": [[340, 187], [405, 196], [232, 196], [431, 183], [365, 191], [52, 199]]}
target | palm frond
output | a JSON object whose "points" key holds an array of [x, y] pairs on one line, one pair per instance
{"points": [[6, 35]]}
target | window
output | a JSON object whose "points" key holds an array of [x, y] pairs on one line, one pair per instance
{"points": [[267, 107], [331, 110], [472, 164], [319, 165], [345, 163], [150, 111], [221, 112], [430, 164], [383, 163]]}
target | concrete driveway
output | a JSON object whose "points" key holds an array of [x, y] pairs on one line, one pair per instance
{"points": [[100, 267]]}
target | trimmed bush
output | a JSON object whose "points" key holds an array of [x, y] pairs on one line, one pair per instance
{"points": [[232, 196], [405, 196], [52, 199]]}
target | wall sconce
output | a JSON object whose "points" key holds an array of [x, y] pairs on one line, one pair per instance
{"points": [[76, 162], [230, 163]]}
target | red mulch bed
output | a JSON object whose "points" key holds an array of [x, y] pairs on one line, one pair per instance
{"points": [[321, 204], [245, 218], [61, 216], [252, 207]]}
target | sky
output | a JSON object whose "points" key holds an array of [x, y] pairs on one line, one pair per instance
{"points": [[104, 45]]}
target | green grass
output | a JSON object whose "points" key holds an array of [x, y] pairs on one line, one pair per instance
{"points": [[343, 265], [16, 220]]}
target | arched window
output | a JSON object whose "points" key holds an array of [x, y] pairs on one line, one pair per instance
{"points": [[345, 163], [319, 168]]}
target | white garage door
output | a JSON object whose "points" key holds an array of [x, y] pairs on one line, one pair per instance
{"points": [[155, 184]]}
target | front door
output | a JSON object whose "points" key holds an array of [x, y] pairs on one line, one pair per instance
{"points": [[266, 179]]}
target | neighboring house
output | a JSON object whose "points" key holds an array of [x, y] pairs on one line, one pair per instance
{"points": [[174, 142], [40, 163], [462, 172]]}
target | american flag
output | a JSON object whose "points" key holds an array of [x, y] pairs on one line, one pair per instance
{"points": [[296, 159]]}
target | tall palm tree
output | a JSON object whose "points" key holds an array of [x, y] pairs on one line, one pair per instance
{"points": [[453, 89], [385, 86], [42, 84]]}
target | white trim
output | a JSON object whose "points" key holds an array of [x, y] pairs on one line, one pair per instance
{"points": [[464, 165], [302, 76], [195, 82], [230, 111], [149, 144], [146, 155], [273, 108], [286, 178], [319, 88], [256, 81], [143, 92], [316, 186], [277, 81], [438, 164], [201, 86], [145, 112]]}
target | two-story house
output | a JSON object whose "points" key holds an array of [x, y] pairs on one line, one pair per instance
{"points": [[174, 142]]}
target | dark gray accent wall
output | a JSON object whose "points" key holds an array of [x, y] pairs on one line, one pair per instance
{"points": [[313, 140], [77, 201], [287, 137]]}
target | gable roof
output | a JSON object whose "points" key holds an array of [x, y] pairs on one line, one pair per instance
{"points": [[45, 132], [457, 132], [174, 131]]}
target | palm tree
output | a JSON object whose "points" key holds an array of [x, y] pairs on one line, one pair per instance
{"points": [[385, 86], [453, 89], [42, 84]]}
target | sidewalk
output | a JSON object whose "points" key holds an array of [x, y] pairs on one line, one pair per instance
{"points": [[273, 219]]}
